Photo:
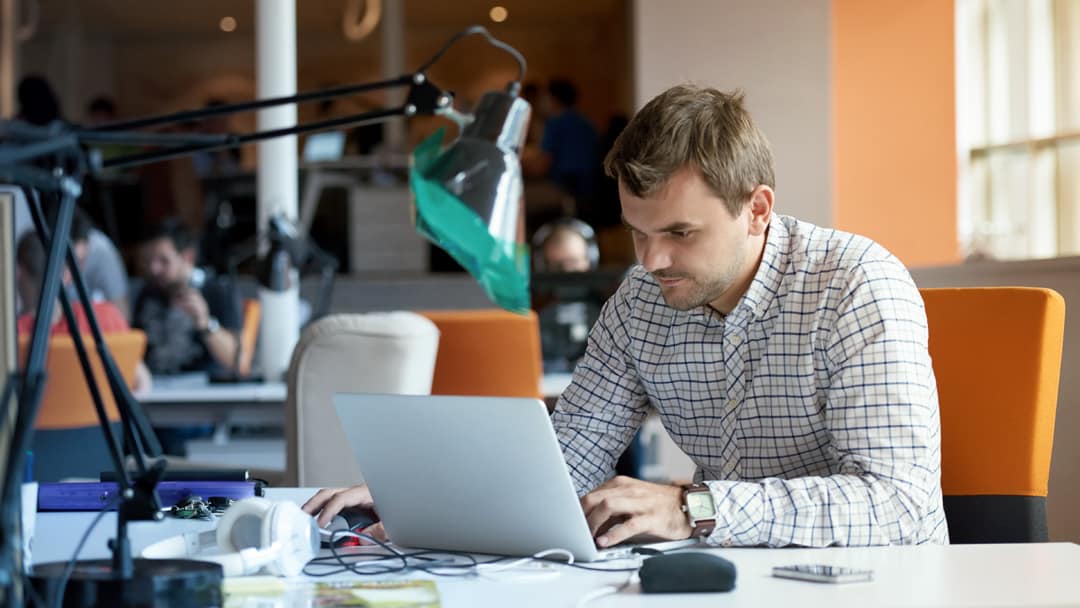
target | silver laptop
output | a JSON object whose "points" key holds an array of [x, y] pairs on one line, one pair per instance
{"points": [[476, 474]]}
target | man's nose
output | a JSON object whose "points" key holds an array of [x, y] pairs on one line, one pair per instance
{"points": [[653, 256]]}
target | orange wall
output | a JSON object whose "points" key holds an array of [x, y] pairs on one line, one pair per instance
{"points": [[895, 127]]}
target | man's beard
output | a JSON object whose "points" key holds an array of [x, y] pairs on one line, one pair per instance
{"points": [[693, 293]]}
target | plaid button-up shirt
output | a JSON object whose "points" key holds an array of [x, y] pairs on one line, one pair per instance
{"points": [[810, 410]]}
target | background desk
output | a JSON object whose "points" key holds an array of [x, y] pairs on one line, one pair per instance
{"points": [[192, 398], [957, 575]]}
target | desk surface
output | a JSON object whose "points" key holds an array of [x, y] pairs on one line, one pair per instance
{"points": [[197, 388], [958, 575]]}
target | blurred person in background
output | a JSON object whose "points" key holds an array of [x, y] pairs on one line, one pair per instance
{"points": [[30, 260], [190, 317]]}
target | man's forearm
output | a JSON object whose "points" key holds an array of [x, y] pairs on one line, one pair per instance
{"points": [[844, 510], [222, 345]]}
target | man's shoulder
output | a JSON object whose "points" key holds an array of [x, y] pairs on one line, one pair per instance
{"points": [[816, 249]]}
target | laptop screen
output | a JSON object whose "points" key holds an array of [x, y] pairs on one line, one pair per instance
{"points": [[325, 146]]}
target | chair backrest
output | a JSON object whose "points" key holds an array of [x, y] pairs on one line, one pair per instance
{"points": [[66, 403], [360, 353], [488, 352], [249, 334], [997, 358]]}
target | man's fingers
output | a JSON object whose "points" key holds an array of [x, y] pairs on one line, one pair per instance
{"points": [[375, 530], [329, 502], [620, 532], [316, 502], [610, 507]]}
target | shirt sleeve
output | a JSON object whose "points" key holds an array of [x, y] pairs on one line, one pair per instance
{"points": [[599, 413], [882, 412], [105, 269]]}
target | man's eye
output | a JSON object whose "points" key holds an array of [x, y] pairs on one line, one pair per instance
{"points": [[680, 234]]}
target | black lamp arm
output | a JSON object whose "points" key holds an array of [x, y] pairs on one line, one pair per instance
{"points": [[258, 104], [424, 98]]}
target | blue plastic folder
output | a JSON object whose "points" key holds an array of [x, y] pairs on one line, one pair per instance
{"points": [[96, 495]]}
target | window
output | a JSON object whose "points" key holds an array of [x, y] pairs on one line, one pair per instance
{"points": [[1018, 127]]}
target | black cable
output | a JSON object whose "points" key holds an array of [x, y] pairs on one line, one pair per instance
{"points": [[367, 564], [477, 29], [58, 594]]}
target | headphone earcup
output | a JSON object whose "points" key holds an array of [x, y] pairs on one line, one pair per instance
{"points": [[295, 532], [242, 525]]}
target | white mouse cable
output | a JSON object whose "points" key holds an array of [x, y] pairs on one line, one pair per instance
{"points": [[606, 590]]}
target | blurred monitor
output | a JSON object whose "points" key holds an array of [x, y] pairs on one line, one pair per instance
{"points": [[568, 304], [325, 146]]}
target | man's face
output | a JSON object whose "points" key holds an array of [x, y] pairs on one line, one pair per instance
{"points": [[686, 237], [162, 265], [566, 252]]}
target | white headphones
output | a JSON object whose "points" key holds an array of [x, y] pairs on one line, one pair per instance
{"points": [[254, 533]]}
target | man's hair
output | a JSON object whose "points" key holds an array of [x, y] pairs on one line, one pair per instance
{"points": [[689, 126], [30, 255], [563, 91], [172, 229]]}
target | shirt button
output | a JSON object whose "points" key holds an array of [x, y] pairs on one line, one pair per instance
{"points": [[735, 340], [732, 404]]}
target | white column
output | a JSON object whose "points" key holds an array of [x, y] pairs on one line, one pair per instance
{"points": [[9, 60], [393, 65], [276, 182]]}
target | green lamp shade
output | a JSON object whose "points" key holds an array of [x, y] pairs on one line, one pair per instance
{"points": [[467, 200]]}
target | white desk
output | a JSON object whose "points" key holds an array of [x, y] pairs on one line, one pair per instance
{"points": [[958, 575], [192, 398]]}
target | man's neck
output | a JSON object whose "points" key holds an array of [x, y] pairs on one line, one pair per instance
{"points": [[727, 302]]}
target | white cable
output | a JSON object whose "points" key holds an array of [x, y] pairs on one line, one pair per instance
{"points": [[596, 594], [527, 560]]}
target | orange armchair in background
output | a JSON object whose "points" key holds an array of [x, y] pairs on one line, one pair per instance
{"points": [[68, 441], [487, 352], [997, 358], [66, 402]]}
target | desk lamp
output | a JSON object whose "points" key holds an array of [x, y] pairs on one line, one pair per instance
{"points": [[466, 198]]}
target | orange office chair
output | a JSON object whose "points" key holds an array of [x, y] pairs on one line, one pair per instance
{"points": [[487, 352], [249, 334], [67, 438], [997, 358]]}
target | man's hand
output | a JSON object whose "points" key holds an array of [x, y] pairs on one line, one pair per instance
{"points": [[192, 302], [624, 507], [328, 502]]}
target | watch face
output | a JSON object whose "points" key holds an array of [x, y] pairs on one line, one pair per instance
{"points": [[700, 505]]}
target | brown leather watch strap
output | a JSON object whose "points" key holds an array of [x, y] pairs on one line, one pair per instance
{"points": [[700, 528]]}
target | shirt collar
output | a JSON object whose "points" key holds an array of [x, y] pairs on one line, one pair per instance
{"points": [[770, 273]]}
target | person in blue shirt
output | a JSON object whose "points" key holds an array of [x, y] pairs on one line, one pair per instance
{"points": [[568, 146]]}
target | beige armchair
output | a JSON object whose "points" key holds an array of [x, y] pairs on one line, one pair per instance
{"points": [[361, 353]]}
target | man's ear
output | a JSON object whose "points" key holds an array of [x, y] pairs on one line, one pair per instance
{"points": [[761, 204], [188, 255]]}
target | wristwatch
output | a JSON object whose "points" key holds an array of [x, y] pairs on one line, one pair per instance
{"points": [[212, 325], [700, 509]]}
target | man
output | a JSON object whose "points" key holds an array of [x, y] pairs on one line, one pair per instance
{"points": [[30, 261], [564, 245], [190, 320], [566, 312], [568, 146], [788, 361], [100, 262]]}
